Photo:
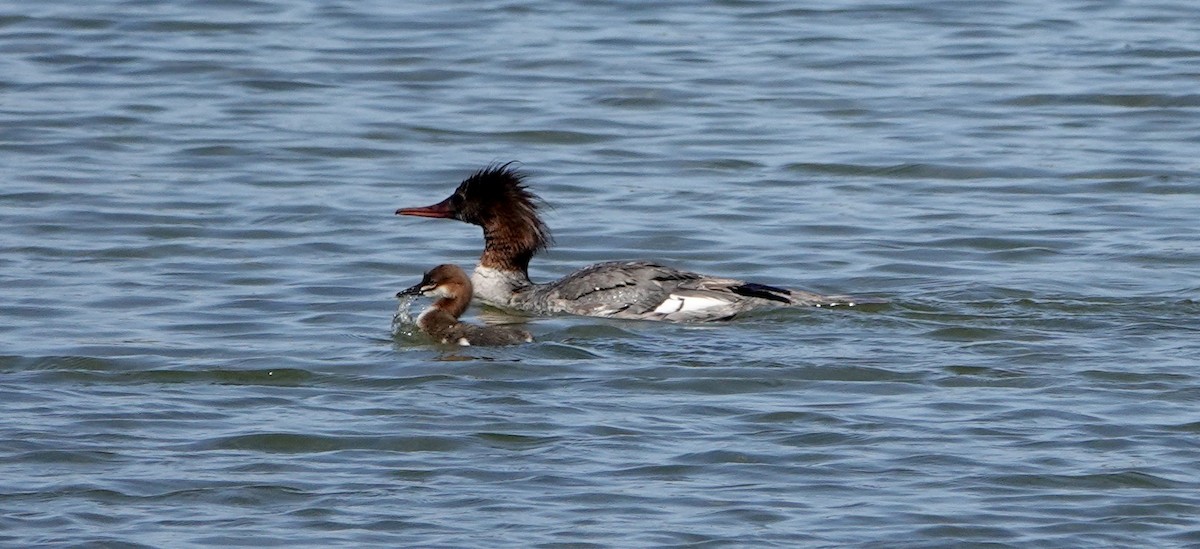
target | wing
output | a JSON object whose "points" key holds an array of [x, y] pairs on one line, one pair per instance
{"points": [[644, 290], [649, 291], [619, 288]]}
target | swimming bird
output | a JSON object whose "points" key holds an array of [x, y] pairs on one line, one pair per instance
{"points": [[450, 285], [497, 199]]}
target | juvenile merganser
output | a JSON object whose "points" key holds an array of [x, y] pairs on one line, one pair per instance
{"points": [[440, 321], [497, 199]]}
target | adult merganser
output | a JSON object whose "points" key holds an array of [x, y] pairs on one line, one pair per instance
{"points": [[497, 199], [451, 286]]}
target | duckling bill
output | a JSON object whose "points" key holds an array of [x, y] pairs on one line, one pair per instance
{"points": [[451, 287]]}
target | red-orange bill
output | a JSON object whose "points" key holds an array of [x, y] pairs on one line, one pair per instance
{"points": [[440, 210]]}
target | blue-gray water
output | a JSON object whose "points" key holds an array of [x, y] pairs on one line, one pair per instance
{"points": [[199, 257]]}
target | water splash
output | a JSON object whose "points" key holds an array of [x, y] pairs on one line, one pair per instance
{"points": [[404, 322]]}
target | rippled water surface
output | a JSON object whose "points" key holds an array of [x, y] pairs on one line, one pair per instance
{"points": [[200, 256]]}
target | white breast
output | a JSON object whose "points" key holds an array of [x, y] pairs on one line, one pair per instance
{"points": [[492, 286]]}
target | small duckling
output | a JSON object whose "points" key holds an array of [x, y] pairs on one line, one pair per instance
{"points": [[452, 287]]}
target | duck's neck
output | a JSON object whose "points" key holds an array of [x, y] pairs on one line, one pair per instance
{"points": [[508, 249], [509, 242], [454, 306]]}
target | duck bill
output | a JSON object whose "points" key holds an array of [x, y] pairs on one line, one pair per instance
{"points": [[415, 290], [441, 210]]}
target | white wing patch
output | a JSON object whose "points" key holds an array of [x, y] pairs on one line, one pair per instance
{"points": [[675, 303]]}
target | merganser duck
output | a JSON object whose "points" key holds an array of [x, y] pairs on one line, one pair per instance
{"points": [[440, 321], [497, 199]]}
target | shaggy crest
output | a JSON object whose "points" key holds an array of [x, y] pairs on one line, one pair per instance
{"points": [[497, 199]]}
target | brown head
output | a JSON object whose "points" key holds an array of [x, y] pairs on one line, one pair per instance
{"points": [[449, 284], [496, 199]]}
